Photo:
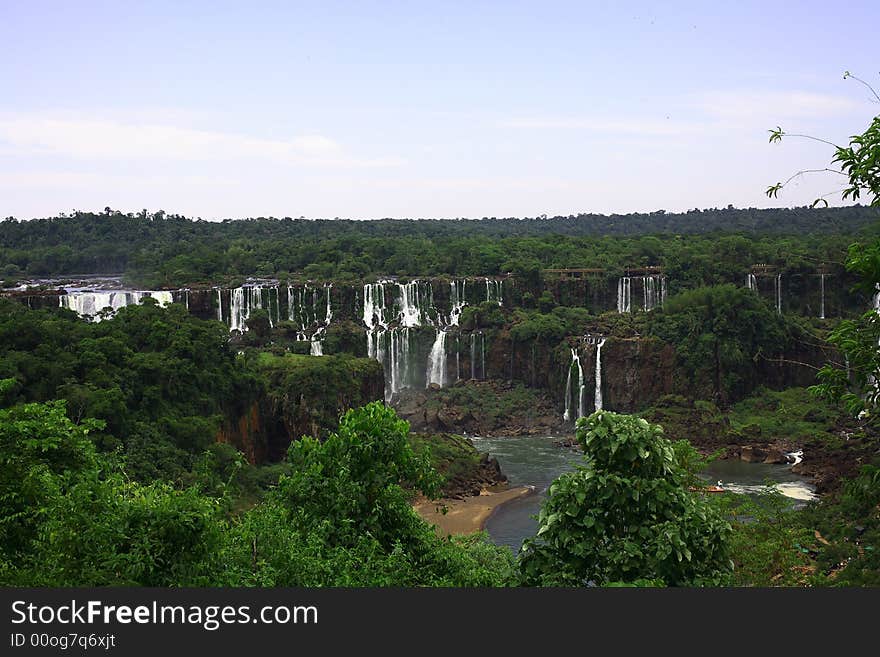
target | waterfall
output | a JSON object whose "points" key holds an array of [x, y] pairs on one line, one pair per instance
{"points": [[395, 361], [494, 290], [410, 308], [483, 354], [581, 387], [624, 288], [567, 415], [437, 361], [244, 300], [649, 293], [457, 300], [329, 314], [400, 338], [374, 305], [89, 304], [598, 396], [391, 347], [822, 296], [391, 309], [779, 293], [653, 292], [751, 282], [473, 355], [236, 308], [219, 305], [317, 346]]}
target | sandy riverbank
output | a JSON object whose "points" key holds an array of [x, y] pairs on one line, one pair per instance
{"points": [[469, 515]]}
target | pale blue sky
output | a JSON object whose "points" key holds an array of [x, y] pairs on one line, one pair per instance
{"points": [[423, 109]]}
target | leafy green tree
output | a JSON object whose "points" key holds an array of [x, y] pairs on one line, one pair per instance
{"points": [[855, 383], [626, 516], [343, 518], [70, 517], [350, 484]]}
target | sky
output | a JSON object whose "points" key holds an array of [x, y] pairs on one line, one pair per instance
{"points": [[434, 109]]}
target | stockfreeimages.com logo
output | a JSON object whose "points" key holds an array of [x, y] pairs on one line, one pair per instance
{"points": [[210, 617]]}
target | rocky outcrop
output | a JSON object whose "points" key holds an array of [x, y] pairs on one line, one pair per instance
{"points": [[484, 408], [465, 471]]}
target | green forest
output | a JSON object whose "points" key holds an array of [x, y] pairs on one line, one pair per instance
{"points": [[186, 455], [155, 250], [191, 459]]}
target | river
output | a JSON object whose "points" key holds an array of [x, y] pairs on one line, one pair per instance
{"points": [[536, 461]]}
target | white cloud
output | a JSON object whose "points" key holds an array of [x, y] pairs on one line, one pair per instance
{"points": [[115, 140], [70, 180], [781, 104], [632, 126]]}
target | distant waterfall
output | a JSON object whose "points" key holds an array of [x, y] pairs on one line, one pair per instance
{"points": [[821, 296], [391, 310], [391, 347], [473, 355], [89, 304], [598, 395], [624, 294], [317, 345], [581, 388], [244, 300], [653, 292], [494, 291], [236, 309], [574, 358], [305, 306], [437, 361], [219, 305], [779, 293], [399, 351], [375, 313], [416, 298], [458, 300], [752, 282]]}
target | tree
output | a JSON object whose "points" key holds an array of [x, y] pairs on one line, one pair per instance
{"points": [[859, 161], [855, 382], [626, 516], [350, 484], [56, 490]]}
